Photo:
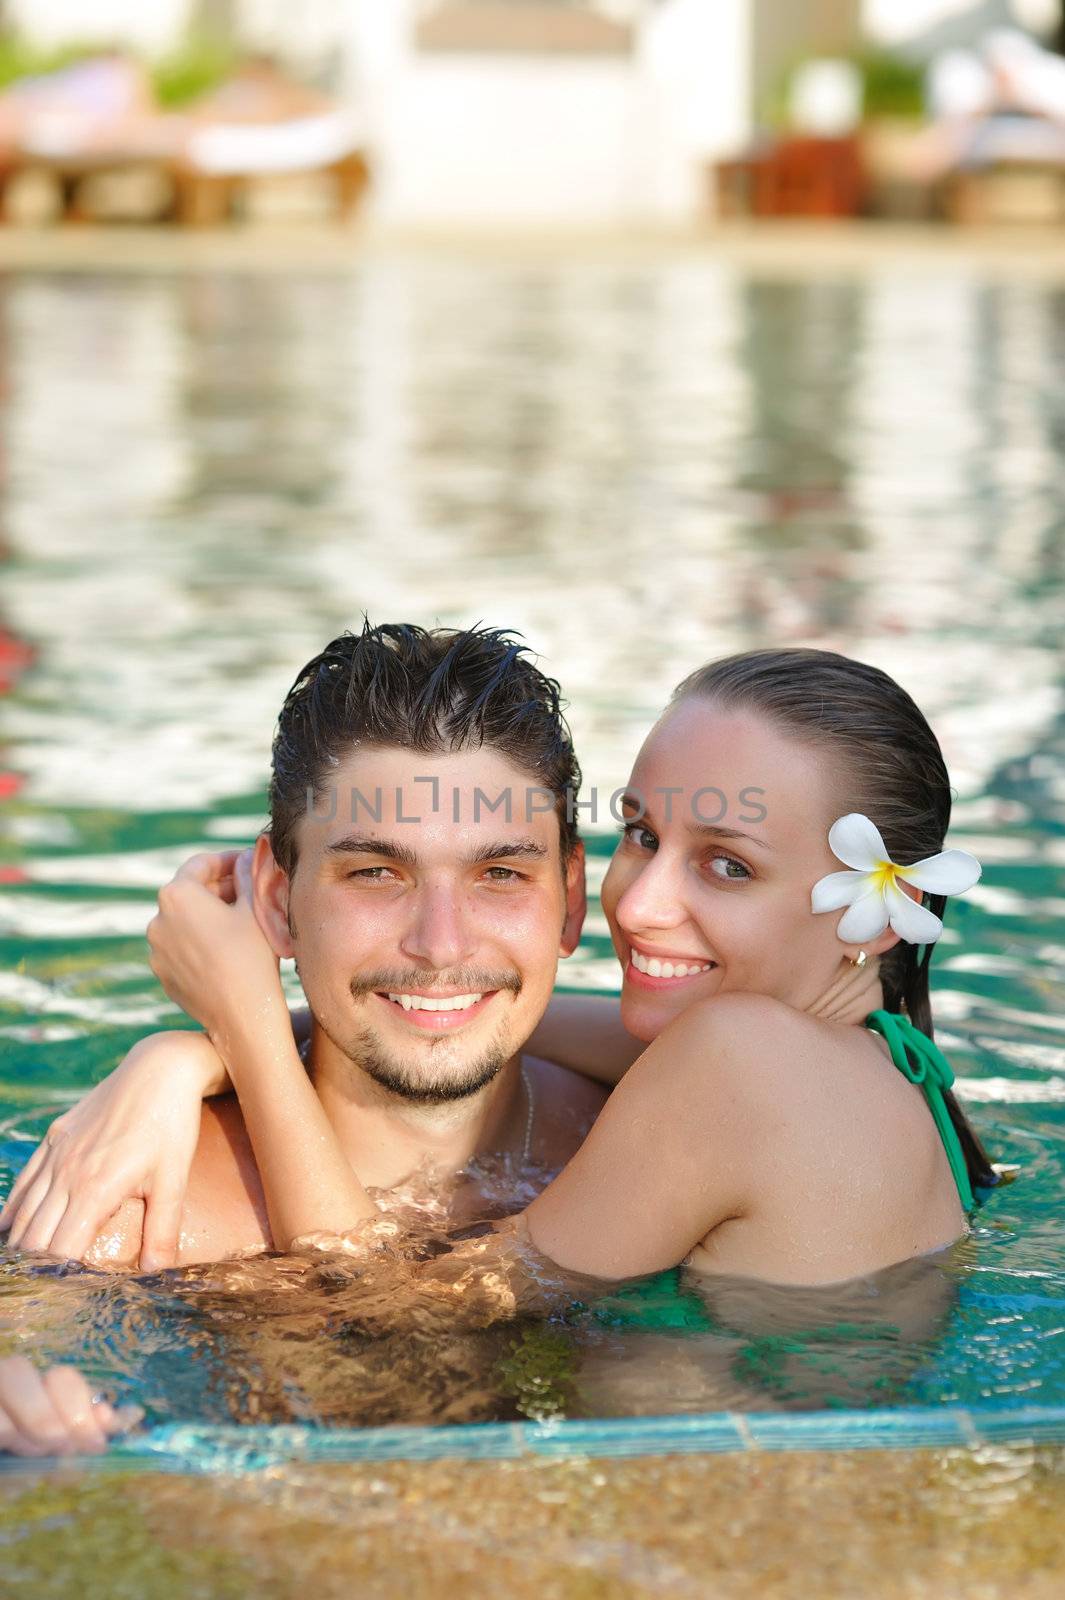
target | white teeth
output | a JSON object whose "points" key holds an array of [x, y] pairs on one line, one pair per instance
{"points": [[421, 1002], [667, 969]]}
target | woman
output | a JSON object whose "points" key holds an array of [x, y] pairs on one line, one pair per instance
{"points": [[790, 1118]]}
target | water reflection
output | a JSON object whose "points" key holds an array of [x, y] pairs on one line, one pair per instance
{"points": [[411, 1335], [641, 465]]}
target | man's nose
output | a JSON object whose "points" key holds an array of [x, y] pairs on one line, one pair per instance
{"points": [[438, 934], [654, 898]]}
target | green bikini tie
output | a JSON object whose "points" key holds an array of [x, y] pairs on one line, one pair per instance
{"points": [[920, 1060]]}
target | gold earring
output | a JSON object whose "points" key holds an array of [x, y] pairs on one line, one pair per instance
{"points": [[859, 960]]}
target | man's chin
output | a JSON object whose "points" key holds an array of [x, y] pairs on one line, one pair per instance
{"points": [[435, 1077]]}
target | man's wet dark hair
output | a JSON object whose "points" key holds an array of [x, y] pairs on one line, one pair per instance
{"points": [[431, 690], [890, 768]]}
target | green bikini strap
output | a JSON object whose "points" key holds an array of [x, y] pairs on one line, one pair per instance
{"points": [[922, 1061]]}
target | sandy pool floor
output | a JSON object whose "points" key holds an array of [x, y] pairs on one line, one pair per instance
{"points": [[974, 1524]]}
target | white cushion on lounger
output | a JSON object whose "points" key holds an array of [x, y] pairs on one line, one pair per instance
{"points": [[233, 149]]}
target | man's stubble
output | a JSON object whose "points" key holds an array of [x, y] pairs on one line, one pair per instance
{"points": [[441, 1081]]}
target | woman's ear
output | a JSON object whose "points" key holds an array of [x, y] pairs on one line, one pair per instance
{"points": [[576, 900], [270, 887]]}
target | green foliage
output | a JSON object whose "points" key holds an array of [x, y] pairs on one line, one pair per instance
{"points": [[197, 66], [19, 59], [891, 86]]}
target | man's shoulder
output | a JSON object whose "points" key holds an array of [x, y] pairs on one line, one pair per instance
{"points": [[564, 1095], [224, 1210]]}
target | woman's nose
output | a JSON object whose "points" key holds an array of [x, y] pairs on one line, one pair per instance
{"points": [[438, 934], [654, 898]]}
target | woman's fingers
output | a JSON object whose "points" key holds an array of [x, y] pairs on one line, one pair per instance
{"points": [[13, 1203], [87, 1212], [37, 1235], [29, 1422], [209, 868], [27, 1210], [72, 1399], [53, 1413], [67, 1215], [242, 875], [162, 1225]]}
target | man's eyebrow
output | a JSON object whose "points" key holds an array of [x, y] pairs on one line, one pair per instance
{"points": [[529, 849], [358, 844], [364, 845]]}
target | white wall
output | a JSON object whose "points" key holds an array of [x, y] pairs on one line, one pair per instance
{"points": [[508, 139], [695, 68], [512, 139], [150, 25], [497, 139]]}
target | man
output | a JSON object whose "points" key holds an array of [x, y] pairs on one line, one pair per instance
{"points": [[422, 866]]}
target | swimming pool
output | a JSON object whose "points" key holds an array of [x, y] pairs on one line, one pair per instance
{"points": [[640, 464]]}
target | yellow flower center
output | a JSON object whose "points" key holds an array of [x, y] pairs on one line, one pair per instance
{"points": [[884, 874]]}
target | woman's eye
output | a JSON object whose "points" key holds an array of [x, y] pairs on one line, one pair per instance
{"points": [[729, 868], [641, 837]]}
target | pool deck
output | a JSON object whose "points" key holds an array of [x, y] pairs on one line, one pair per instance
{"points": [[902, 1525], [786, 250]]}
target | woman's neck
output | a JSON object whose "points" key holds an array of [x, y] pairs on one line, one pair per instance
{"points": [[851, 995]]}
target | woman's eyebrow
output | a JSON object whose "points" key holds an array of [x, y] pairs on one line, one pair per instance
{"points": [[714, 829]]}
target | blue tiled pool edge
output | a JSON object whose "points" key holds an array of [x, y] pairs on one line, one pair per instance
{"points": [[232, 1448]]}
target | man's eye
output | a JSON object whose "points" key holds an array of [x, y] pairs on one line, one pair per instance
{"points": [[730, 869], [502, 874], [372, 874], [641, 837]]}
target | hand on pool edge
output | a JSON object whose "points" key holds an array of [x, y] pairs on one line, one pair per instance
{"points": [[55, 1413]]}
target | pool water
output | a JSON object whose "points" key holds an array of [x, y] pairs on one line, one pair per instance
{"points": [[641, 464]]}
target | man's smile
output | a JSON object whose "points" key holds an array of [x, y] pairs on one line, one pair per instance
{"points": [[434, 1011]]}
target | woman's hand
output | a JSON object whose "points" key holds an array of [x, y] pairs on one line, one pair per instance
{"points": [[208, 951], [55, 1413], [132, 1137]]}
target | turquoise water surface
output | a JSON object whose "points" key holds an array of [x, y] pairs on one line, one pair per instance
{"points": [[641, 466]]}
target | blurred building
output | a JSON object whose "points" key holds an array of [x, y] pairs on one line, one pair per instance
{"points": [[510, 111], [531, 112]]}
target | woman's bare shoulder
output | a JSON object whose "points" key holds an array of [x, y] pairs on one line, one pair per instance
{"points": [[743, 1027], [763, 1048]]}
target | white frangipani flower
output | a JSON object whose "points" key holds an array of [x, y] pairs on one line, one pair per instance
{"points": [[871, 889]]}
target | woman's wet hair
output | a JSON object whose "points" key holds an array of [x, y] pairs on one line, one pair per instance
{"points": [[430, 690], [891, 769]]}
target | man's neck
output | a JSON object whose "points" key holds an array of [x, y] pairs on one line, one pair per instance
{"points": [[387, 1137]]}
